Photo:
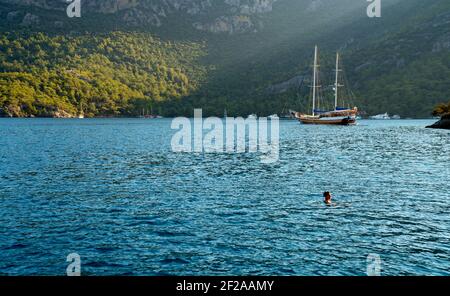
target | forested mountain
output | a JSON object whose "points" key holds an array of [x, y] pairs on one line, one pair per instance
{"points": [[123, 56]]}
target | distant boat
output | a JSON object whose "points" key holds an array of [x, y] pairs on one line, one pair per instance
{"points": [[143, 114], [273, 116], [252, 116], [287, 113], [81, 114], [149, 116], [338, 116], [384, 116]]}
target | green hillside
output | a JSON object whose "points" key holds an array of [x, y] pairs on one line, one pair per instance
{"points": [[118, 73], [399, 63]]}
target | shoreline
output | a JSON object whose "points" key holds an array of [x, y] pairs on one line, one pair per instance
{"points": [[137, 117]]}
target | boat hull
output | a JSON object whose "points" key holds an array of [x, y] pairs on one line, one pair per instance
{"points": [[343, 117], [328, 121]]}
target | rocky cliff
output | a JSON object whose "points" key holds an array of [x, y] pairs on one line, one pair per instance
{"points": [[225, 16]]}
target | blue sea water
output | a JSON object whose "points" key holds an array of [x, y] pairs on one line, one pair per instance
{"points": [[112, 191]]}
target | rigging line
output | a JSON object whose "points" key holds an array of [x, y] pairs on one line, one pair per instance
{"points": [[350, 93], [299, 96]]}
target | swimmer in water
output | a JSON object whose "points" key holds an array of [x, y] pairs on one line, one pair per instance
{"points": [[327, 197]]}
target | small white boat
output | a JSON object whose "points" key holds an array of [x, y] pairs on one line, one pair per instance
{"points": [[273, 116], [384, 116], [81, 113], [252, 116]]}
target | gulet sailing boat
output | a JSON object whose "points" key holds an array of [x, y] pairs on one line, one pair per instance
{"points": [[338, 116]]}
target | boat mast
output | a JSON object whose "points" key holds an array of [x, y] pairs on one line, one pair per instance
{"points": [[314, 82], [336, 85]]}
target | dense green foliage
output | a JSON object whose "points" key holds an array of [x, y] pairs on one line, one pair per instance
{"points": [[103, 74], [398, 64], [442, 109]]}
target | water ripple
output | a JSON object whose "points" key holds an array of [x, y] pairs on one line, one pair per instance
{"points": [[112, 191]]}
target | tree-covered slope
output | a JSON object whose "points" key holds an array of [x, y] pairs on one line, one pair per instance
{"points": [[407, 70], [117, 73], [397, 64], [120, 58]]}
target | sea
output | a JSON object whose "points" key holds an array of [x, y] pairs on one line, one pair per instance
{"points": [[113, 192]]}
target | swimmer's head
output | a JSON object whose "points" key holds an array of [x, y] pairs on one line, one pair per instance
{"points": [[327, 196]]}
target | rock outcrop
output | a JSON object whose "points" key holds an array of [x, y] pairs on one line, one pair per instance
{"points": [[228, 24], [442, 44], [295, 82], [443, 123], [12, 16], [17, 111], [30, 20]]}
